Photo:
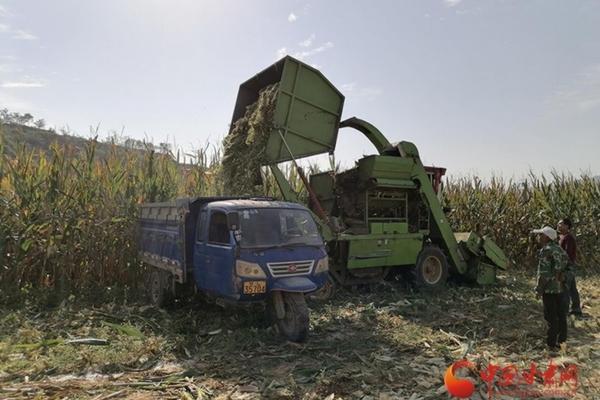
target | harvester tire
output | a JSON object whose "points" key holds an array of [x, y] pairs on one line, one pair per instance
{"points": [[431, 270], [294, 325]]}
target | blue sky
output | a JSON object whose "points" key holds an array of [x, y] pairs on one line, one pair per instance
{"points": [[482, 87]]}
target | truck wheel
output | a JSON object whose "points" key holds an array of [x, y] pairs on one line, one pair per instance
{"points": [[431, 270], [326, 292], [157, 287], [294, 324]]}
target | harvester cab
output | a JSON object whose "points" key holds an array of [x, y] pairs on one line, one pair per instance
{"points": [[381, 218]]}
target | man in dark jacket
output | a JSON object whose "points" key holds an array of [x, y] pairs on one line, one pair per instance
{"points": [[567, 242], [552, 264]]}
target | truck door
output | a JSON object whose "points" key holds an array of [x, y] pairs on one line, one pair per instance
{"points": [[200, 250], [220, 255]]}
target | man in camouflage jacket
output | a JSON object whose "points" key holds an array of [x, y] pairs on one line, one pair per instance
{"points": [[552, 265]]}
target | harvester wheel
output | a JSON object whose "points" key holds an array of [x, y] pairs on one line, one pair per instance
{"points": [[295, 321], [431, 270]]}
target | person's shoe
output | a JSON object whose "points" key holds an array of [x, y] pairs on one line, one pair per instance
{"points": [[553, 351], [581, 315], [562, 347]]}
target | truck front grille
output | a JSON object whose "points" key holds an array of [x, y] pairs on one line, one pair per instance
{"points": [[291, 268]]}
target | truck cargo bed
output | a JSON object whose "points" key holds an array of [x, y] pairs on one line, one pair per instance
{"points": [[166, 233]]}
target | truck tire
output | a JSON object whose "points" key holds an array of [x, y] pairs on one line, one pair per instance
{"points": [[431, 270], [157, 287], [326, 292], [294, 325]]}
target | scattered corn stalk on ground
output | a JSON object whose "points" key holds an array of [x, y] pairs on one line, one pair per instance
{"points": [[390, 343]]}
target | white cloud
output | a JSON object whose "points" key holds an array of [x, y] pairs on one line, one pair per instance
{"points": [[354, 91], [19, 34], [301, 55], [8, 64], [307, 50], [324, 47], [22, 84], [581, 94], [370, 93], [308, 41], [348, 87], [452, 3], [23, 35], [292, 17], [282, 52]]}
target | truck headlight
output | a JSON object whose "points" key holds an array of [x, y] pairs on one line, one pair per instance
{"points": [[322, 265], [249, 270]]}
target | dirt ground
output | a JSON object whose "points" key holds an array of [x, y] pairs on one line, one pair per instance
{"points": [[387, 342]]}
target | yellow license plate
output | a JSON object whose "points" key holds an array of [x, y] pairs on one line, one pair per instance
{"points": [[255, 287]]}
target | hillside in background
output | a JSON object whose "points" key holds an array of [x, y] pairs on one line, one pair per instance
{"points": [[15, 135], [22, 129]]}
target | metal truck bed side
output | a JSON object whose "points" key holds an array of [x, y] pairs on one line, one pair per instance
{"points": [[167, 231], [162, 238]]}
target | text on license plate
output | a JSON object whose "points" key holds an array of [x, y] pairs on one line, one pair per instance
{"points": [[254, 287]]}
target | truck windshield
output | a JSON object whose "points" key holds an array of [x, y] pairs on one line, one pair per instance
{"points": [[274, 227]]}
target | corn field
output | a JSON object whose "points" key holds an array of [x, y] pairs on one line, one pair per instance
{"points": [[508, 210], [67, 218]]}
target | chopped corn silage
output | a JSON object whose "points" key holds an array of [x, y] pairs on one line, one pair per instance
{"points": [[244, 147]]}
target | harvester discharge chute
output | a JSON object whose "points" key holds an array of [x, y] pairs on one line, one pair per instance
{"points": [[307, 114], [381, 218]]}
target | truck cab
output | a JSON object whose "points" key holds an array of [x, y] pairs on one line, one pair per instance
{"points": [[238, 251], [264, 245]]}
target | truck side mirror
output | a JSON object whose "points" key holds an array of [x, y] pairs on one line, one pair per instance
{"points": [[233, 221]]}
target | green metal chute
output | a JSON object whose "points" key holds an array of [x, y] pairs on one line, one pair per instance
{"points": [[307, 114], [373, 134]]}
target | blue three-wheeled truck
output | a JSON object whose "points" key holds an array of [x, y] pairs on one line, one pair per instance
{"points": [[236, 250]]}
